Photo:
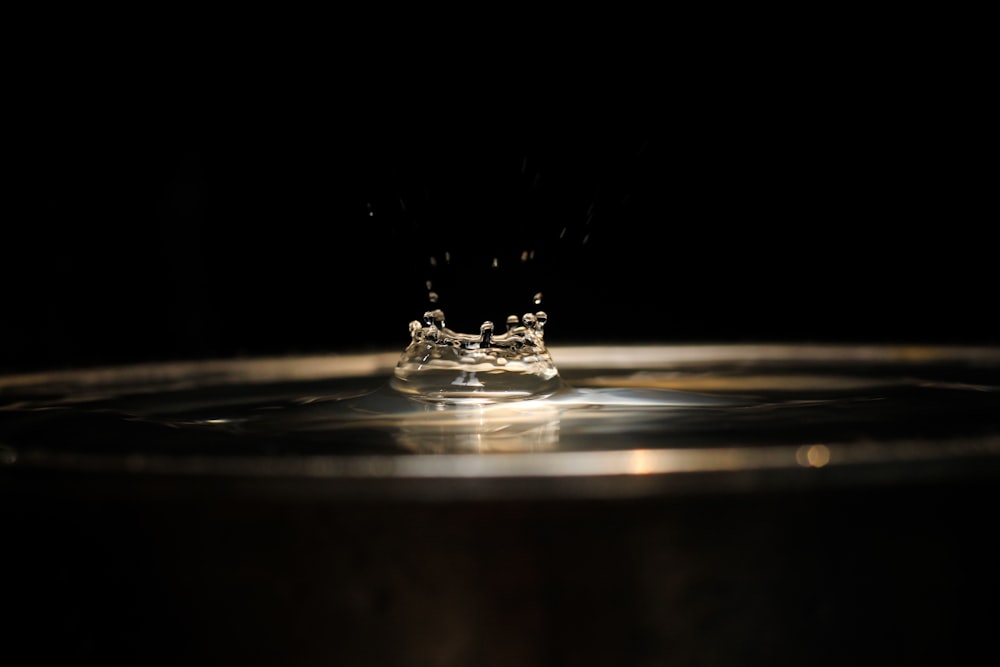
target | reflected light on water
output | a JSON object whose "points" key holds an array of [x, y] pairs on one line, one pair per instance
{"points": [[597, 463], [825, 414], [812, 456], [641, 462]]}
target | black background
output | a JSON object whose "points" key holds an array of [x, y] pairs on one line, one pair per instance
{"points": [[285, 195], [165, 220]]}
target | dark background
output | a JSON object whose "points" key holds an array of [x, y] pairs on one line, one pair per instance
{"points": [[810, 204], [285, 197]]}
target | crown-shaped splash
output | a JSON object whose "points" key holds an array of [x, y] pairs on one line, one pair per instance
{"points": [[445, 366]]}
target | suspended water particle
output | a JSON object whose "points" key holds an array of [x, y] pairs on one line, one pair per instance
{"points": [[429, 285], [524, 255], [537, 298], [586, 237], [432, 297], [434, 261], [447, 258], [562, 233], [496, 262]]}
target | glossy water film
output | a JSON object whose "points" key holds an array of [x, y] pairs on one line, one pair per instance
{"points": [[443, 365]]}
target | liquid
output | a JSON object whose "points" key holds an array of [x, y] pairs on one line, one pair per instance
{"points": [[610, 411], [446, 366]]}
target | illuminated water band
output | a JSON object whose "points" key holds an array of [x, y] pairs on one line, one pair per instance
{"points": [[445, 366]]}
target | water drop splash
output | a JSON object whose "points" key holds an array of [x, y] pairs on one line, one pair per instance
{"points": [[444, 366]]}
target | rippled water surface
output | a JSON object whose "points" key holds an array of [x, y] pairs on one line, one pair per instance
{"points": [[624, 411]]}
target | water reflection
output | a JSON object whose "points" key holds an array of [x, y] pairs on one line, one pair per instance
{"points": [[655, 414]]}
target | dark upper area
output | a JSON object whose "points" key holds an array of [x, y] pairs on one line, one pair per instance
{"points": [[140, 236]]}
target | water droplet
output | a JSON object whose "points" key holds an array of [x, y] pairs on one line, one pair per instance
{"points": [[537, 298], [445, 366]]}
